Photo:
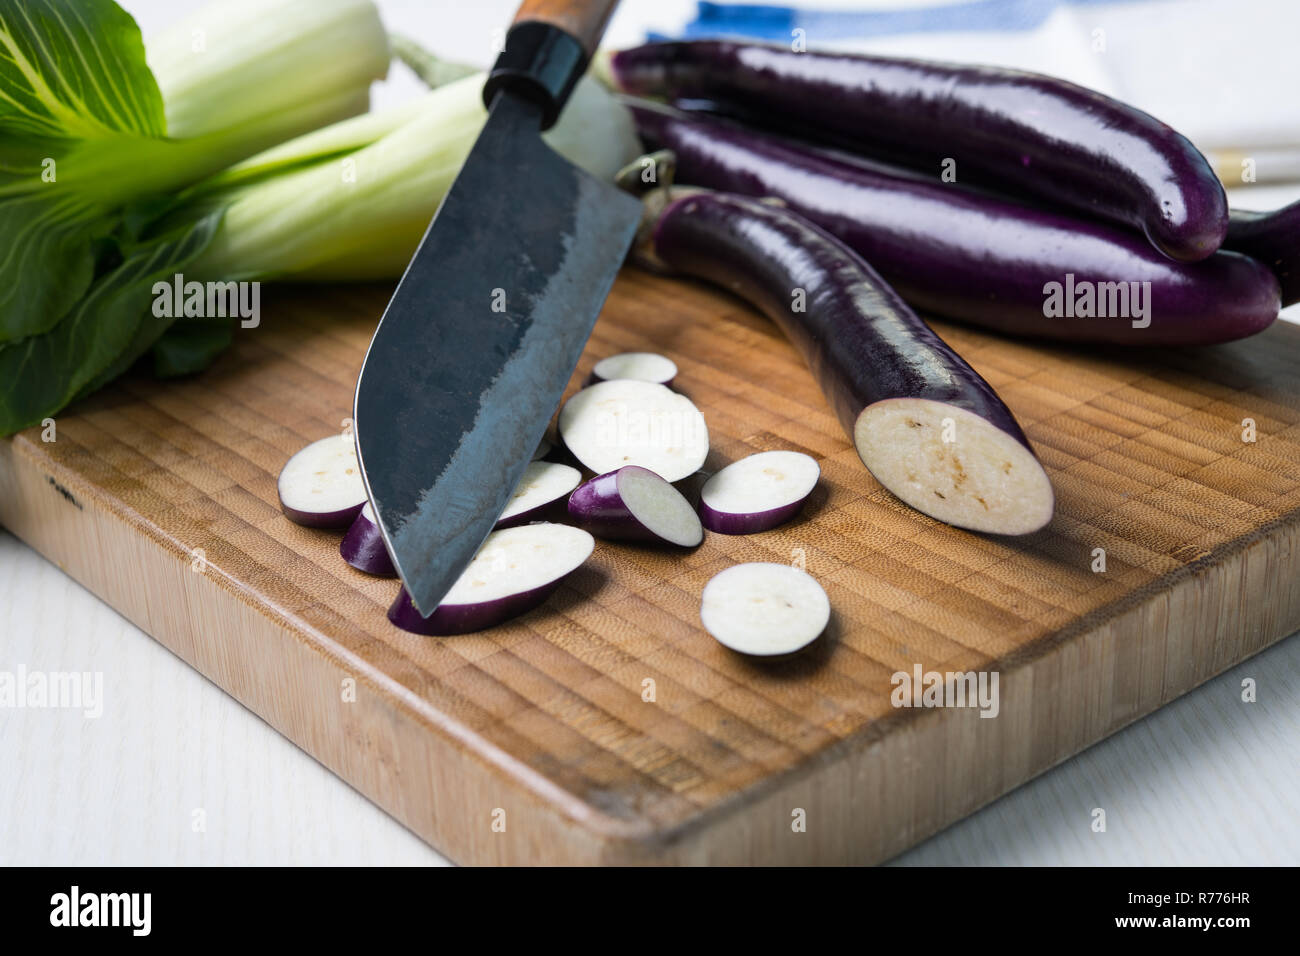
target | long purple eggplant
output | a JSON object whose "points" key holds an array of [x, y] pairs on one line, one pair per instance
{"points": [[1024, 133], [975, 257], [1274, 239], [925, 424]]}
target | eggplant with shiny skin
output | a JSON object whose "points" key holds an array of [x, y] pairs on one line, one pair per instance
{"points": [[1274, 239], [1023, 133], [925, 424], [974, 257]]}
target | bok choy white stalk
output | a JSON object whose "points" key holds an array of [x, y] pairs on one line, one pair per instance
{"points": [[281, 66]]}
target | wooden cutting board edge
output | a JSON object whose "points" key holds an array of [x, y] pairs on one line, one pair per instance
{"points": [[1099, 674]]}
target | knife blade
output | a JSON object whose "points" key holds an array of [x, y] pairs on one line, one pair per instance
{"points": [[473, 352]]}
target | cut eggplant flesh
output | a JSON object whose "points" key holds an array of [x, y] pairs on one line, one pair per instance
{"points": [[321, 485], [954, 465], [758, 492], [642, 366], [635, 504], [764, 610], [514, 571], [626, 422], [543, 484]]}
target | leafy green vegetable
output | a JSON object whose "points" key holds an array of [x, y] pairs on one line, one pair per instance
{"points": [[86, 165], [76, 67], [42, 237], [73, 83], [100, 338], [191, 346]]}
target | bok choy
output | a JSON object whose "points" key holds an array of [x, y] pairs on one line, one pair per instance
{"points": [[87, 159]]}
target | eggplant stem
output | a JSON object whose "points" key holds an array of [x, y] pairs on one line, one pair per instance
{"points": [[653, 204], [661, 166]]}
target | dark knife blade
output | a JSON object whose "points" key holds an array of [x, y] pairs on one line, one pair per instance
{"points": [[476, 346]]}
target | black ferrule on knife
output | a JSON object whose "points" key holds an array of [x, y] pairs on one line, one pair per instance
{"points": [[540, 62]]}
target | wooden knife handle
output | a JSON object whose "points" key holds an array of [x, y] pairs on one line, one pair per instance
{"points": [[584, 20]]}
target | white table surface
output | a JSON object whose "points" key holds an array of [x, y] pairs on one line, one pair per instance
{"points": [[176, 772]]}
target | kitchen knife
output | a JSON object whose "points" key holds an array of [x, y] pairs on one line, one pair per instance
{"points": [[471, 356]]}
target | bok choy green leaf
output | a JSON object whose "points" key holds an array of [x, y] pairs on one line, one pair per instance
{"points": [[73, 87], [103, 334]]}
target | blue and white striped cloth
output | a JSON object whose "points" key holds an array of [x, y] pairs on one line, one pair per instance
{"points": [[776, 23]]}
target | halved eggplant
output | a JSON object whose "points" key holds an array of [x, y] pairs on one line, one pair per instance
{"points": [[514, 571], [758, 492], [924, 422], [635, 504], [321, 486]]}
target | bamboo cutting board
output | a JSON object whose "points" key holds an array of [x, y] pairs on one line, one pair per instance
{"points": [[607, 727]]}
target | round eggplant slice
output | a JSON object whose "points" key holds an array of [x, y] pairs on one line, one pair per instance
{"points": [[635, 504], [542, 485], [642, 366], [758, 492], [321, 485], [764, 610], [626, 422], [514, 571]]}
